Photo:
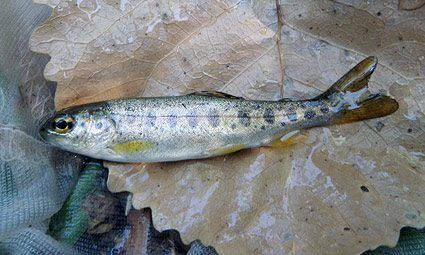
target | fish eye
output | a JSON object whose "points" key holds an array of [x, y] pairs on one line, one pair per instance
{"points": [[63, 124]]}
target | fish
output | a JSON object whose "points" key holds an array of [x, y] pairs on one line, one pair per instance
{"points": [[208, 124]]}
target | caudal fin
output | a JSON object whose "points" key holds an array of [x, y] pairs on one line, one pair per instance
{"points": [[375, 106], [351, 99]]}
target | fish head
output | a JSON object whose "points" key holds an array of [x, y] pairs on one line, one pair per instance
{"points": [[81, 132]]}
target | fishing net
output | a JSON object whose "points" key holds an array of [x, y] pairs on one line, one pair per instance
{"points": [[411, 242], [33, 241], [34, 178]]}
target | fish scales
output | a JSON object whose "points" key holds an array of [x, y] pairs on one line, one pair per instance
{"points": [[207, 124], [200, 126]]}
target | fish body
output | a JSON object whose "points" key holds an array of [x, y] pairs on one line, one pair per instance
{"points": [[206, 124]]}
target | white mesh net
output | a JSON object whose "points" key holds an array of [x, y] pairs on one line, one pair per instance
{"points": [[34, 178]]}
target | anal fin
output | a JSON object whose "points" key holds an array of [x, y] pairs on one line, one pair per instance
{"points": [[228, 149], [289, 139]]}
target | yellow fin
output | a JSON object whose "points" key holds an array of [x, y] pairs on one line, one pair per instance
{"points": [[377, 105], [289, 139], [226, 149], [132, 147], [356, 79]]}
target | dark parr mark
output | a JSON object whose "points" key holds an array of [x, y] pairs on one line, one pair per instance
{"points": [[172, 119], [244, 118], [213, 118], [309, 114], [192, 119], [150, 119], [269, 116]]}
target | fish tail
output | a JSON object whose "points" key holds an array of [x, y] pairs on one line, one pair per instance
{"points": [[375, 106], [351, 99]]}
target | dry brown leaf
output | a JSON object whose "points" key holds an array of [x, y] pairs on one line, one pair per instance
{"points": [[344, 190]]}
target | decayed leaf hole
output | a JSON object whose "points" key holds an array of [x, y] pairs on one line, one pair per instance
{"points": [[346, 189]]}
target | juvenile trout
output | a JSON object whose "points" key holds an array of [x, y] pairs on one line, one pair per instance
{"points": [[207, 124]]}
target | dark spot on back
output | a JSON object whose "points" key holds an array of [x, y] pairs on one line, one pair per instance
{"points": [[263, 127], [213, 118], [364, 188], [324, 109], [192, 119], [309, 114], [150, 119], [269, 116], [244, 118], [283, 124]]}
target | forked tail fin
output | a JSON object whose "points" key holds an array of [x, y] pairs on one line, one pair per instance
{"points": [[352, 101]]}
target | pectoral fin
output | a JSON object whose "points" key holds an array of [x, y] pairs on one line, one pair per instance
{"points": [[131, 147]]}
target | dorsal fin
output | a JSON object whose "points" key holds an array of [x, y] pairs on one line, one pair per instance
{"points": [[355, 79], [214, 94]]}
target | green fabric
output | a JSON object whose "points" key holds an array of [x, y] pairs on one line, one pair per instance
{"points": [[69, 224]]}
